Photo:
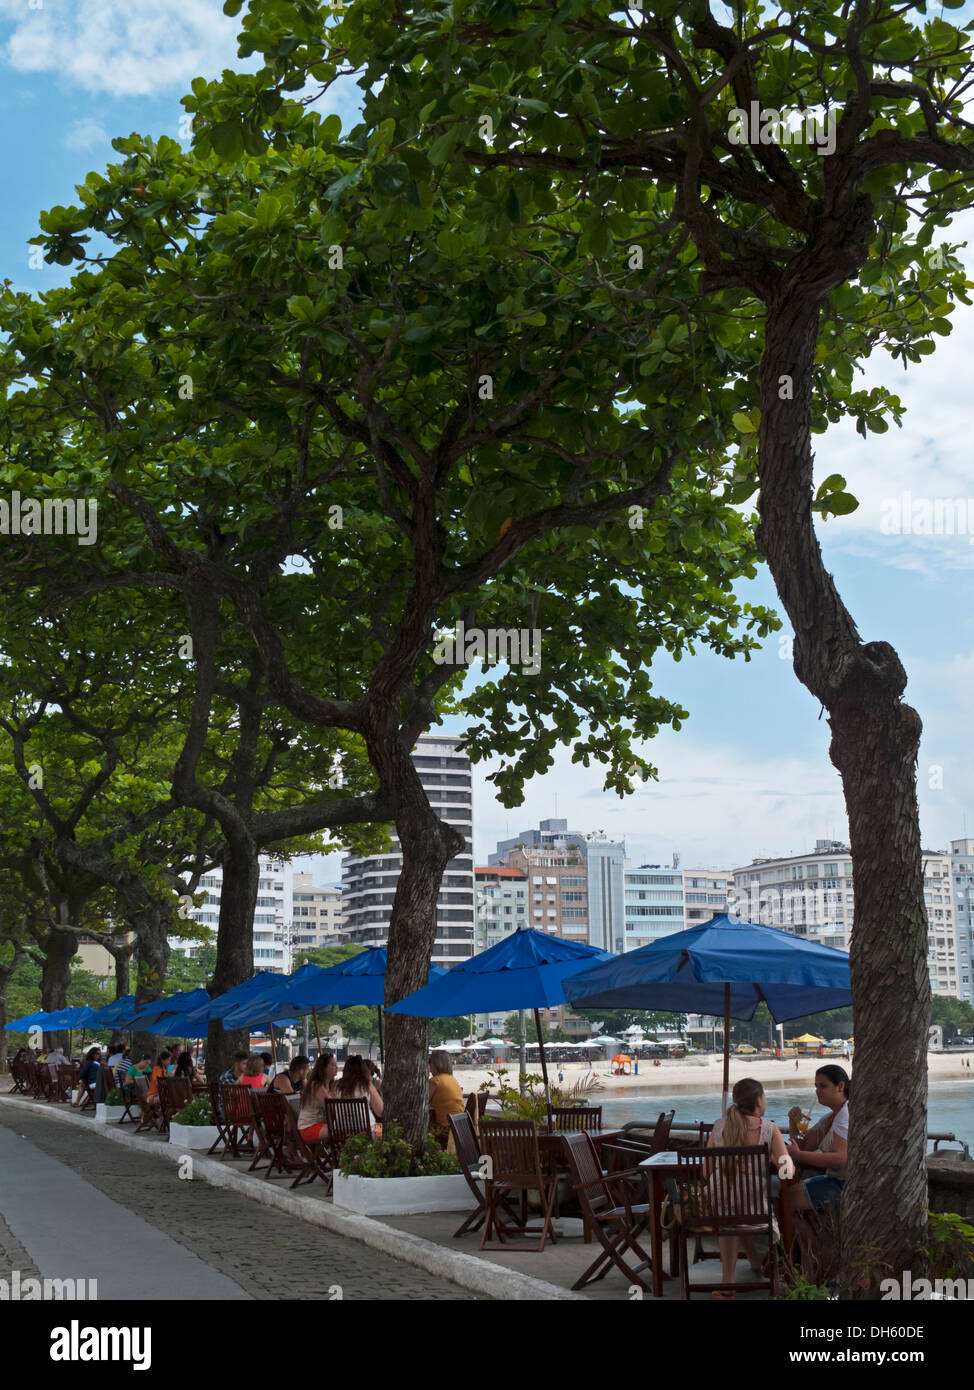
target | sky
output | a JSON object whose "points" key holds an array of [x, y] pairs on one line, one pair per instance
{"points": [[749, 774]]}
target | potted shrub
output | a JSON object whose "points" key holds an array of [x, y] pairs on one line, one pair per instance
{"points": [[382, 1176], [111, 1109], [193, 1126]]}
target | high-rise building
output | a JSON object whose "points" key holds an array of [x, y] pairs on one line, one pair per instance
{"points": [[811, 895], [317, 919], [585, 898], [369, 882], [654, 904], [705, 894], [962, 871], [272, 916], [502, 904]]}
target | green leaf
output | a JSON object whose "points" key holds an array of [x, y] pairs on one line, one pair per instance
{"points": [[227, 139], [744, 423]]}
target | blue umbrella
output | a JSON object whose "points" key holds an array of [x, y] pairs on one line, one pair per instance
{"points": [[525, 971], [201, 1014], [54, 1021], [163, 1015], [116, 1014], [722, 966]]}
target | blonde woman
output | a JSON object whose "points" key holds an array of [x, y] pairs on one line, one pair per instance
{"points": [[446, 1097], [744, 1125]]}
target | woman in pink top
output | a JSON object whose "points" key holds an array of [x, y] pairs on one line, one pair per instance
{"points": [[253, 1074]]}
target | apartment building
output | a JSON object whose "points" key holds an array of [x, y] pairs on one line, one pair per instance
{"points": [[654, 904], [272, 916], [812, 895], [705, 893], [369, 883], [962, 874], [317, 919], [501, 906]]}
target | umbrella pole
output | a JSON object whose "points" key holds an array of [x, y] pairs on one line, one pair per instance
{"points": [[273, 1045], [726, 1087], [544, 1070], [382, 1046], [314, 1015]]}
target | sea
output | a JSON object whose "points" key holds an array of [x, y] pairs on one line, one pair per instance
{"points": [[950, 1107]]}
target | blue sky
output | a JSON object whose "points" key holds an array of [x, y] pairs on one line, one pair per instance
{"points": [[749, 773]]}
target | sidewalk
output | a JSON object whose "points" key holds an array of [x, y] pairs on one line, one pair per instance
{"points": [[425, 1241]]}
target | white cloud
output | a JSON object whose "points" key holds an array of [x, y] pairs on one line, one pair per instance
{"points": [[86, 135], [123, 48]]}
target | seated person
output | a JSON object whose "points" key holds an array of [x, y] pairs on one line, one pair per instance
{"points": [[137, 1071], [122, 1067], [56, 1058], [267, 1061], [289, 1082], [90, 1075], [233, 1073], [253, 1072], [160, 1069], [319, 1087], [356, 1083], [825, 1147], [446, 1097], [186, 1069], [744, 1125]]}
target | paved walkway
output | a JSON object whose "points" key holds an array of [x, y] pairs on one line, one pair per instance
{"points": [[73, 1204]]}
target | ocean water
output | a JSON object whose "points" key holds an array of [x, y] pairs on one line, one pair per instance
{"points": [[950, 1107]]}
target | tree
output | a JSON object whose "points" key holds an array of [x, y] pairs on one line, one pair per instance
{"points": [[806, 243], [955, 1016]]}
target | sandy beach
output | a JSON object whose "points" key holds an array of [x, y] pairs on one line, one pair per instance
{"points": [[693, 1076]]}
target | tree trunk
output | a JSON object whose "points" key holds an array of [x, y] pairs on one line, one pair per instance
{"points": [[4, 981], [122, 973], [234, 949], [60, 948], [875, 739], [427, 844], [151, 923]]}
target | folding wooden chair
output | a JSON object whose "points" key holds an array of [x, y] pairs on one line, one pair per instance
{"points": [[272, 1129], [38, 1080], [18, 1075], [311, 1160], [238, 1121], [343, 1118], [575, 1117], [174, 1093], [514, 1166], [223, 1129], [726, 1192], [468, 1156], [68, 1079], [608, 1212], [150, 1112]]}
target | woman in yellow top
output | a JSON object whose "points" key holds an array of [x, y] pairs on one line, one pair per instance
{"points": [[446, 1097]]}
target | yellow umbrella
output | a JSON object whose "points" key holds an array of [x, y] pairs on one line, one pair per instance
{"points": [[807, 1038]]}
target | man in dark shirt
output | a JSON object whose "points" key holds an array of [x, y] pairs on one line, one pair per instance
{"points": [[232, 1075]]}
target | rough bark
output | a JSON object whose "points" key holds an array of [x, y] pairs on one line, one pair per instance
{"points": [[428, 844], [234, 947], [875, 739], [60, 948], [151, 923]]}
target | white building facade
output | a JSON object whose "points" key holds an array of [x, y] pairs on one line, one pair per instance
{"points": [[272, 916]]}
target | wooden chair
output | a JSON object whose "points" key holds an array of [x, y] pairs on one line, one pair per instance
{"points": [[238, 1120], [726, 1192], [476, 1105], [68, 1080], [576, 1117], [514, 1166], [311, 1160], [343, 1118], [468, 1156], [174, 1093], [608, 1212], [38, 1080], [18, 1074], [626, 1151], [272, 1130], [107, 1080], [150, 1111]]}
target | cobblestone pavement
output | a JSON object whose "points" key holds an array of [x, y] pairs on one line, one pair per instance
{"points": [[269, 1254]]}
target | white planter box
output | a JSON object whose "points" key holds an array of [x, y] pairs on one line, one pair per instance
{"points": [[193, 1136], [403, 1196], [108, 1114]]}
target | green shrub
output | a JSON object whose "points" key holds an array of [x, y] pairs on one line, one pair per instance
{"points": [[390, 1156], [196, 1113], [115, 1097], [951, 1246], [529, 1106]]}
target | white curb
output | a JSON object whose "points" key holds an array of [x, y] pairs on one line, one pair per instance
{"points": [[469, 1272]]}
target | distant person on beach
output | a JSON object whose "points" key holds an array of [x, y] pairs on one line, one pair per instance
{"points": [[744, 1124]]}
